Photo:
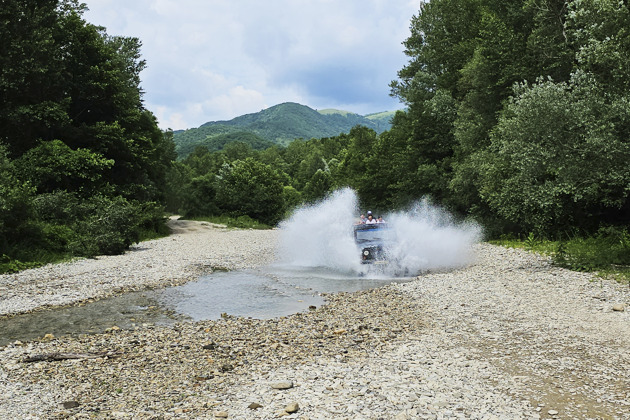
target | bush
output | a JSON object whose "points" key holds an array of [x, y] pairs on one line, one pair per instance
{"points": [[9, 265], [107, 226], [199, 197], [152, 222]]}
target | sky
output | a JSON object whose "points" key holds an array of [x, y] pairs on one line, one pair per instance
{"points": [[211, 60]]}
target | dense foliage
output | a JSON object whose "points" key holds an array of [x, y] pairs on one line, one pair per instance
{"points": [[82, 162], [522, 108]]}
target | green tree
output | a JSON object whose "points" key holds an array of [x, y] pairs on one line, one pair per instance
{"points": [[76, 132], [353, 161], [556, 159], [248, 187], [16, 207], [178, 179], [32, 99], [199, 197], [318, 186], [601, 30], [53, 166]]}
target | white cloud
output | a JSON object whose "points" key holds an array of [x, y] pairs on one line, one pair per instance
{"points": [[217, 59]]}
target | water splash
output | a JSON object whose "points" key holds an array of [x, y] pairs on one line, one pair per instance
{"points": [[427, 238], [320, 235]]}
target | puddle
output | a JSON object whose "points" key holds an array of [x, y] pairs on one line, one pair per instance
{"points": [[262, 294]]}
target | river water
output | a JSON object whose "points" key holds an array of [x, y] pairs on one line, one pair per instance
{"points": [[263, 294]]}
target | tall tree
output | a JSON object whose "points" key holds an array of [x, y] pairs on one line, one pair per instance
{"points": [[556, 161]]}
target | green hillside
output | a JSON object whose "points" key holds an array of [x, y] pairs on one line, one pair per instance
{"points": [[279, 124], [383, 120]]}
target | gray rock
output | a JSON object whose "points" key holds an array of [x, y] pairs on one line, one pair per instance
{"points": [[282, 385], [292, 408], [70, 404]]}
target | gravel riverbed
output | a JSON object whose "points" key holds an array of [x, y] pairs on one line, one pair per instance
{"points": [[509, 337]]}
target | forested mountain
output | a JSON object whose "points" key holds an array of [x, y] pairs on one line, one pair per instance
{"points": [[279, 124]]}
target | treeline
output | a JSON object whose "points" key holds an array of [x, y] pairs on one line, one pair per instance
{"points": [[82, 162], [518, 115]]}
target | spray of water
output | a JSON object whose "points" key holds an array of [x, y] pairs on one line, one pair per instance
{"points": [[424, 238], [321, 235]]}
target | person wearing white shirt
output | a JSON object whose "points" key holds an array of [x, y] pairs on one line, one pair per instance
{"points": [[370, 219]]}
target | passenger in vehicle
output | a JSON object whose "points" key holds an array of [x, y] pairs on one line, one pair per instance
{"points": [[370, 219], [380, 219]]}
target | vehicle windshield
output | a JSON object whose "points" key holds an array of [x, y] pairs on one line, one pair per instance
{"points": [[370, 235]]}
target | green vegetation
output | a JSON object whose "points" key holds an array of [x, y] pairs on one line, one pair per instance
{"points": [[82, 163], [607, 252], [279, 124], [516, 115], [383, 120]]}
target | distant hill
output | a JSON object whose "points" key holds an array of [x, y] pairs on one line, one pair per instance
{"points": [[279, 124], [383, 120]]}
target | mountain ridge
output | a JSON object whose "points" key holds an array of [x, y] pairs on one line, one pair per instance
{"points": [[278, 124]]}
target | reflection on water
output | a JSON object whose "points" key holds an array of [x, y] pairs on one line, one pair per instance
{"points": [[264, 293]]}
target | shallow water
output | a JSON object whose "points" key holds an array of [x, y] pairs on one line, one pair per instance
{"points": [[263, 294]]}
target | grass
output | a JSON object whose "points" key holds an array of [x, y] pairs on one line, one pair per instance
{"points": [[10, 265], [607, 253]]}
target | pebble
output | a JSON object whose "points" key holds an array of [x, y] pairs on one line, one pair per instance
{"points": [[292, 408], [282, 385], [390, 352]]}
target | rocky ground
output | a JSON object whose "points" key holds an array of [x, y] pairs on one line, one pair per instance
{"points": [[509, 337]]}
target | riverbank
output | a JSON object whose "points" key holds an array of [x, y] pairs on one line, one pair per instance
{"points": [[193, 248], [508, 337]]}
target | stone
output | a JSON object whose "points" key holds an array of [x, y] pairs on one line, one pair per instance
{"points": [[292, 408], [619, 307], [221, 415], [70, 404], [282, 385], [227, 367], [254, 406], [552, 412]]}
